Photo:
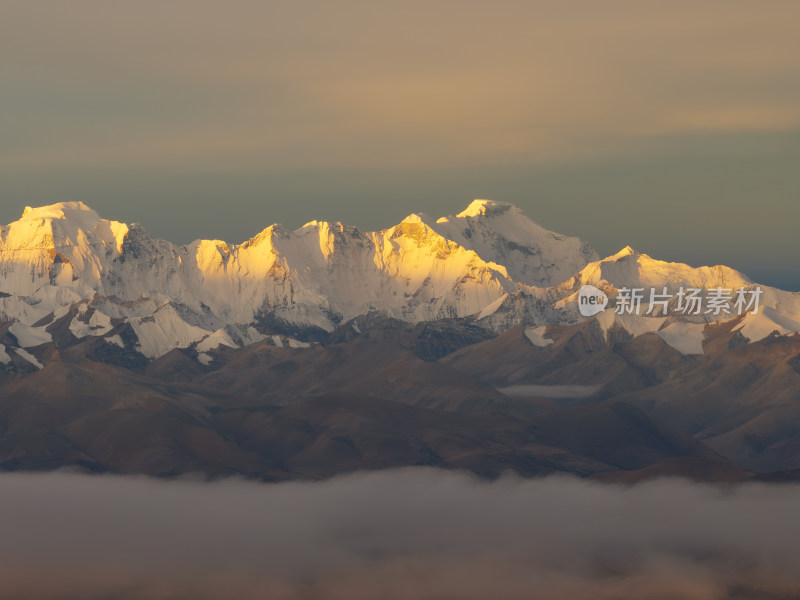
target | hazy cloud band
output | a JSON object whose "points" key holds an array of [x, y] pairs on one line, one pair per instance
{"points": [[402, 534]]}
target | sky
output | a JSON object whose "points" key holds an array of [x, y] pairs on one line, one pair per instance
{"points": [[673, 127], [413, 533]]}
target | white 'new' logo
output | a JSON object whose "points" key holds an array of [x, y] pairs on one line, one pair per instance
{"points": [[591, 300]]}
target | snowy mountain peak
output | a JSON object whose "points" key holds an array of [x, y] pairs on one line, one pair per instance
{"points": [[486, 208], [71, 228], [65, 218], [61, 210], [501, 233], [416, 218], [624, 253], [628, 268], [321, 225]]}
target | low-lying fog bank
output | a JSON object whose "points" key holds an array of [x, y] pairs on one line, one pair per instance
{"points": [[407, 534]]}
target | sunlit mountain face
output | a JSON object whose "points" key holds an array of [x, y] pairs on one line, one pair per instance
{"points": [[70, 273]]}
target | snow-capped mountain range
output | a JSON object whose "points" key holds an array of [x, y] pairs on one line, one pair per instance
{"points": [[489, 264]]}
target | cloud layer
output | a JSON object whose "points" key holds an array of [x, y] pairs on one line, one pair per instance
{"points": [[405, 534], [358, 84]]}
